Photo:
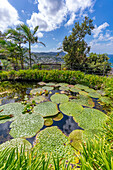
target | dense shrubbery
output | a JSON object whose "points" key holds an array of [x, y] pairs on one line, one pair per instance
{"points": [[67, 76]]}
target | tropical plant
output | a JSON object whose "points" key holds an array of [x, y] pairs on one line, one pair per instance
{"points": [[29, 37]]}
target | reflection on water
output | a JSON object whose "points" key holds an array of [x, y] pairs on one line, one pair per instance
{"points": [[67, 124]]}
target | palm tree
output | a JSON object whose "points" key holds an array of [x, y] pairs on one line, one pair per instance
{"points": [[29, 37]]}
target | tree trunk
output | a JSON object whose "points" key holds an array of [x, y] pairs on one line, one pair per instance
{"points": [[30, 53]]}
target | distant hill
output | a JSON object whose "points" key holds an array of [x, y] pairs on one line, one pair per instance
{"points": [[48, 57]]}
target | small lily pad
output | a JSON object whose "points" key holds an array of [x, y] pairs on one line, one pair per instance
{"points": [[106, 100], [14, 109], [37, 90], [38, 99], [73, 89], [94, 95], [50, 84], [65, 88], [46, 109], [42, 83], [82, 87], [48, 122], [47, 88], [62, 84], [70, 108], [58, 117], [76, 138], [59, 98], [89, 90], [83, 93], [26, 125], [18, 142]]}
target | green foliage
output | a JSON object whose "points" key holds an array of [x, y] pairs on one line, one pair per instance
{"points": [[59, 98], [26, 125], [75, 45], [71, 108], [46, 109]]}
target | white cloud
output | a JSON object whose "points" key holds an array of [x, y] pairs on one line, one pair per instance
{"points": [[52, 13], [8, 15], [71, 20], [99, 29], [39, 34]]}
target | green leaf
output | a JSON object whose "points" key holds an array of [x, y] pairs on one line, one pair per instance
{"points": [[46, 109], [14, 109], [26, 125], [71, 108], [37, 90], [47, 88], [84, 100], [90, 118], [59, 98]]}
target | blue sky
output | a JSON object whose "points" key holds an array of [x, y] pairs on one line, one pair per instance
{"points": [[56, 19]]}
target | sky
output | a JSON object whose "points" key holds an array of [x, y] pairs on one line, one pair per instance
{"points": [[56, 18]]}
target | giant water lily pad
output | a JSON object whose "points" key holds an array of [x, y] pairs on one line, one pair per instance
{"points": [[65, 88], [26, 125], [46, 109], [73, 89], [62, 84], [59, 98], [82, 87], [83, 93], [38, 99], [15, 109], [37, 90], [76, 138], [85, 101], [106, 100], [47, 88], [50, 84], [71, 108], [90, 118], [94, 95], [51, 140], [89, 90], [91, 133], [18, 142]]}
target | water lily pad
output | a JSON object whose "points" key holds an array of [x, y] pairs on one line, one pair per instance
{"points": [[83, 93], [48, 122], [50, 84], [18, 142], [101, 92], [71, 108], [85, 101], [38, 99], [91, 133], [65, 88], [58, 117], [82, 87], [26, 125], [47, 88], [73, 89], [76, 138], [52, 140], [37, 90], [42, 83], [89, 90], [14, 109], [106, 100], [90, 118], [94, 95], [46, 109], [59, 98], [62, 84]]}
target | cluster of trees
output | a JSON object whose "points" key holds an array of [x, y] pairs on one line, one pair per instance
{"points": [[11, 45], [77, 51]]}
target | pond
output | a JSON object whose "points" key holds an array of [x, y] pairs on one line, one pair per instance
{"points": [[50, 104]]}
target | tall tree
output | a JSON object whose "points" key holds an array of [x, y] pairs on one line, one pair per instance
{"points": [[75, 45], [29, 37]]}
